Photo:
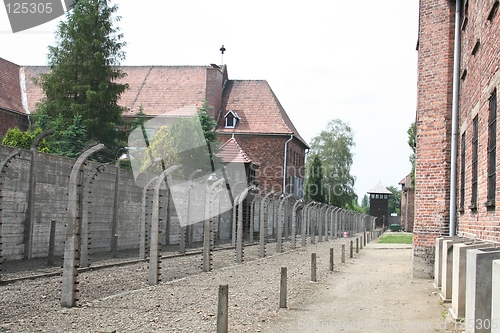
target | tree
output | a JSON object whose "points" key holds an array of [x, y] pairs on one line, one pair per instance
{"points": [[365, 204], [413, 145], [81, 88], [314, 183], [333, 147], [394, 200]]}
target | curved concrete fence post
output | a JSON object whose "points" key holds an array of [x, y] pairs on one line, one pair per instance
{"points": [[71, 255], [84, 235], [30, 209], [305, 222], [263, 224], [252, 216], [184, 234], [142, 232], [208, 228], [281, 221], [4, 164], [295, 208], [239, 232], [155, 246]]}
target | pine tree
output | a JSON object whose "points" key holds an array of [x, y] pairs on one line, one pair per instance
{"points": [[84, 70]]}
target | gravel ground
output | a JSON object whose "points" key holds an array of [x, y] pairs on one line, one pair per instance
{"points": [[119, 299]]}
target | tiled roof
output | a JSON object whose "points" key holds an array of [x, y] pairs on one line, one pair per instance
{"points": [[232, 152], [158, 89], [257, 106], [10, 88]]}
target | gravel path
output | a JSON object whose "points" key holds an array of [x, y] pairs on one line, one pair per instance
{"points": [[119, 299]]}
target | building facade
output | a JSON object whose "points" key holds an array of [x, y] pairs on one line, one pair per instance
{"points": [[456, 187], [246, 110]]}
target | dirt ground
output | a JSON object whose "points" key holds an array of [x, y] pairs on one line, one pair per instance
{"points": [[373, 293]]}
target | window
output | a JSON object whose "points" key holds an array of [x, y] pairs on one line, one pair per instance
{"points": [[462, 173], [492, 149], [465, 14], [473, 204], [231, 119]]}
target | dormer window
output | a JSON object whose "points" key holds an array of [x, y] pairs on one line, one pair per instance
{"points": [[231, 119]]}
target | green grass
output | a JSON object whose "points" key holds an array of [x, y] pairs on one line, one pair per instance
{"points": [[396, 238]]}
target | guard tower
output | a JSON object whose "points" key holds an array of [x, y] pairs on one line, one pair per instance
{"points": [[379, 204]]}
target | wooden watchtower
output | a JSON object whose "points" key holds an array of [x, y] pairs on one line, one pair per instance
{"points": [[379, 204]]}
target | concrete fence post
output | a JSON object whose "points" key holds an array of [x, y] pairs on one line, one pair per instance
{"points": [[222, 309], [4, 164], [296, 206], [155, 246], [343, 253], [85, 228], [305, 223], [142, 233], [313, 267], [283, 285], [281, 222], [239, 226], [30, 209], [252, 217], [263, 225], [207, 228], [71, 255]]}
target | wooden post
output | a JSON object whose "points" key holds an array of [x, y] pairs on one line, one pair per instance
{"points": [[357, 245], [343, 253], [283, 287], [313, 267], [52, 243], [222, 312], [331, 260], [351, 255]]}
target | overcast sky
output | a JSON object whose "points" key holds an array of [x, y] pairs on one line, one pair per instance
{"points": [[352, 60]]}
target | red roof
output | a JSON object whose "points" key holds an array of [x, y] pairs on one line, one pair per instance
{"points": [[258, 108], [10, 87], [231, 152]]}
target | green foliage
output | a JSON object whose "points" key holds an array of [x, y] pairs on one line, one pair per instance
{"points": [[161, 146], [69, 137], [314, 185], [17, 138], [81, 88], [365, 205], [413, 145], [394, 200], [333, 146]]}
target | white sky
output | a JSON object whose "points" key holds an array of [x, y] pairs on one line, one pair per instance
{"points": [[352, 60]]}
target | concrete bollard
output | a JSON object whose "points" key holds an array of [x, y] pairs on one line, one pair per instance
{"points": [[222, 312], [351, 255], [283, 287], [357, 245], [313, 267], [360, 242], [364, 237], [343, 253], [331, 260]]}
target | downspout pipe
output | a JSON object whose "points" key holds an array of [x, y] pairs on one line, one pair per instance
{"points": [[454, 121], [284, 164]]}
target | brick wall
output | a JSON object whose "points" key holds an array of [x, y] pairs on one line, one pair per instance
{"points": [[9, 119], [268, 151], [481, 79], [433, 130], [407, 215]]}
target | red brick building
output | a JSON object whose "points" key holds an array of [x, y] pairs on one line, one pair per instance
{"points": [[12, 112], [456, 187], [246, 110]]}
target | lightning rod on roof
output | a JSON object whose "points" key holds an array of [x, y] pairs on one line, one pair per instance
{"points": [[222, 50]]}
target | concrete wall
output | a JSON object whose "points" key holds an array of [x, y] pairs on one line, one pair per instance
{"points": [[51, 187]]}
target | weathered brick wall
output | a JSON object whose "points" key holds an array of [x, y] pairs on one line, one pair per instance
{"points": [[433, 130], [481, 79], [269, 152], [10, 119], [215, 83]]}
